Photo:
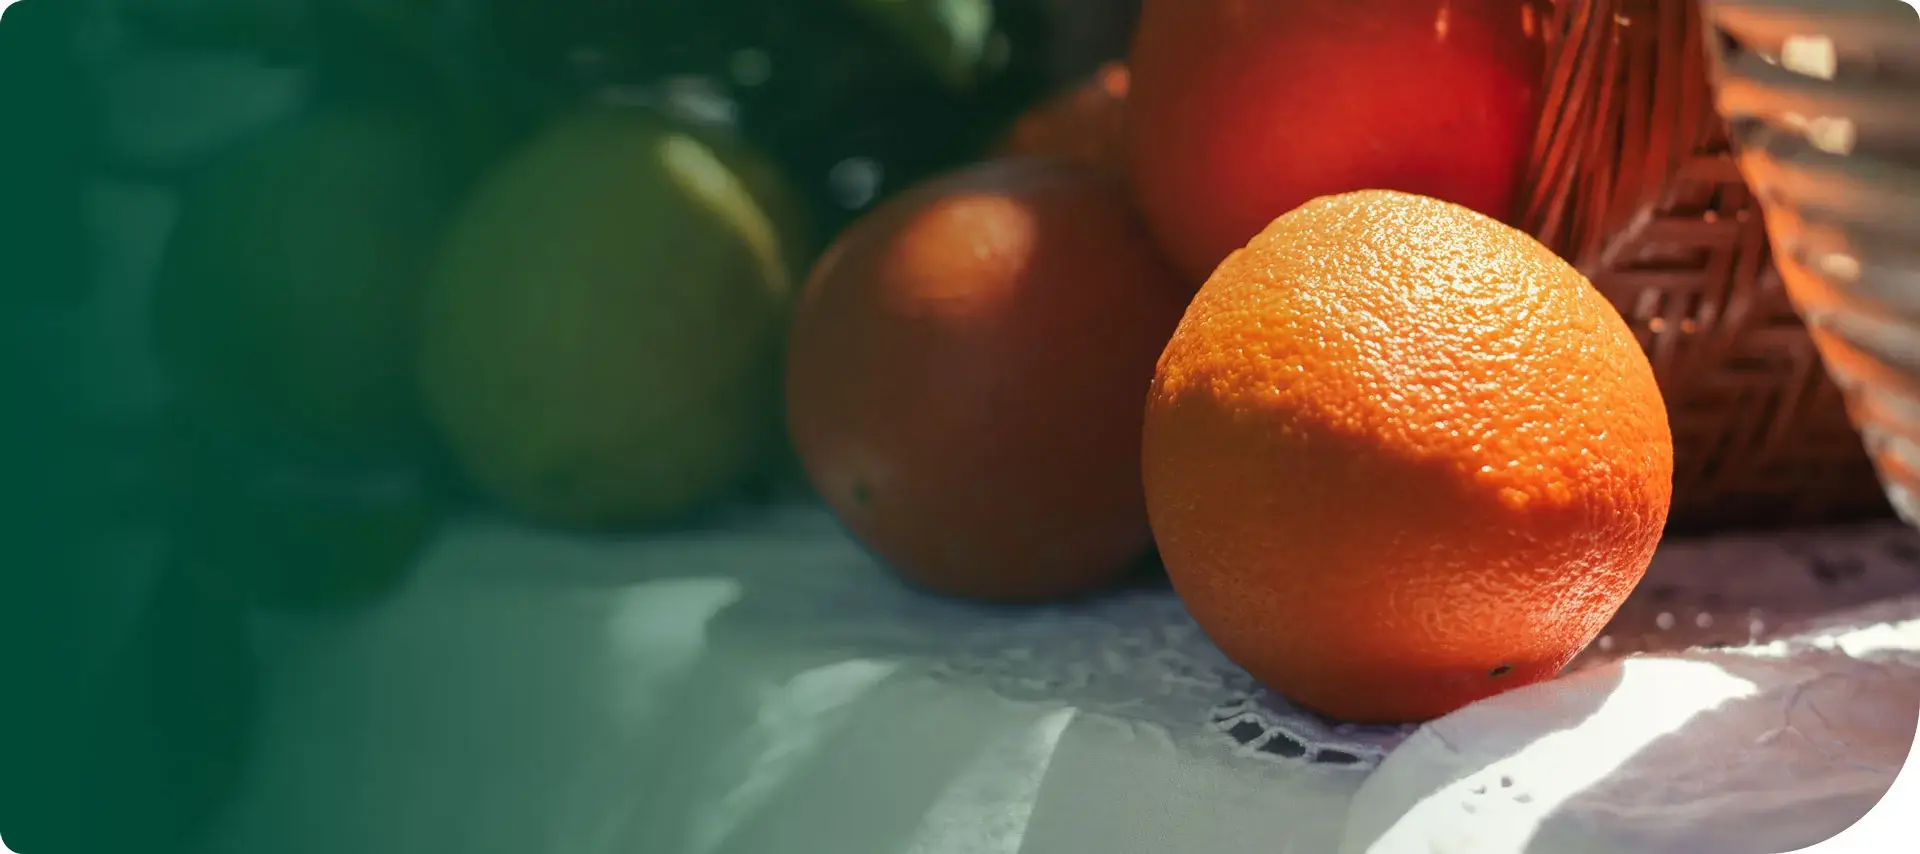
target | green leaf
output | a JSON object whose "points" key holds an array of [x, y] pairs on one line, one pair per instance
{"points": [[950, 37]]}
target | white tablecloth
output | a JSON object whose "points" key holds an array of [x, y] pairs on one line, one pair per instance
{"points": [[766, 689]]}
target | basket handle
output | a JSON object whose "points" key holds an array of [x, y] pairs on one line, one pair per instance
{"points": [[1623, 106]]}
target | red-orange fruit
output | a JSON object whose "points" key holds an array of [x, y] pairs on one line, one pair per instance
{"points": [[1240, 111], [965, 378], [1085, 124]]}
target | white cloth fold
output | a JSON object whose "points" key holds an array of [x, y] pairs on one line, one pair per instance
{"points": [[764, 688], [1693, 753]]}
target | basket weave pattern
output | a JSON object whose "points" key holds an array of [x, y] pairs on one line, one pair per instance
{"points": [[1634, 183]]}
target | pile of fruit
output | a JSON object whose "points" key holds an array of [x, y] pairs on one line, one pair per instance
{"points": [[1248, 298], [539, 255], [1252, 297]]}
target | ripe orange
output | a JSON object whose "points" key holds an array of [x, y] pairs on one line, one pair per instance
{"points": [[1399, 457], [965, 377], [1085, 124], [1240, 111]]}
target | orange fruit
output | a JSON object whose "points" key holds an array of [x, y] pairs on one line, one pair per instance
{"points": [[1085, 124], [1240, 111], [1400, 457], [965, 376]]}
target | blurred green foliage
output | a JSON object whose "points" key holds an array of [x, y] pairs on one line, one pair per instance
{"points": [[854, 98]]}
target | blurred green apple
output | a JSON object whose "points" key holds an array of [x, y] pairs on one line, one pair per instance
{"points": [[602, 335]]}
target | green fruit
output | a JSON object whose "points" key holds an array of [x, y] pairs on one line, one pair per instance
{"points": [[289, 301], [602, 336]]}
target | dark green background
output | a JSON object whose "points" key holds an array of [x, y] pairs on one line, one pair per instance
{"points": [[140, 537]]}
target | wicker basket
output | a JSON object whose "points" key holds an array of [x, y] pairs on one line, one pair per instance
{"points": [[1822, 99], [1634, 182]]}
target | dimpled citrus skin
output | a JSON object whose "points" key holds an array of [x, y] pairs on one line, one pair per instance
{"points": [[1399, 457]]}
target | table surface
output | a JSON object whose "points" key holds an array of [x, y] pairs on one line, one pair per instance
{"points": [[764, 687]]}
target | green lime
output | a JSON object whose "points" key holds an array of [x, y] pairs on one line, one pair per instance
{"points": [[288, 302], [602, 336]]}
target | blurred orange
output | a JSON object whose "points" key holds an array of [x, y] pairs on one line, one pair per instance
{"points": [[1240, 111], [966, 373], [1085, 125]]}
